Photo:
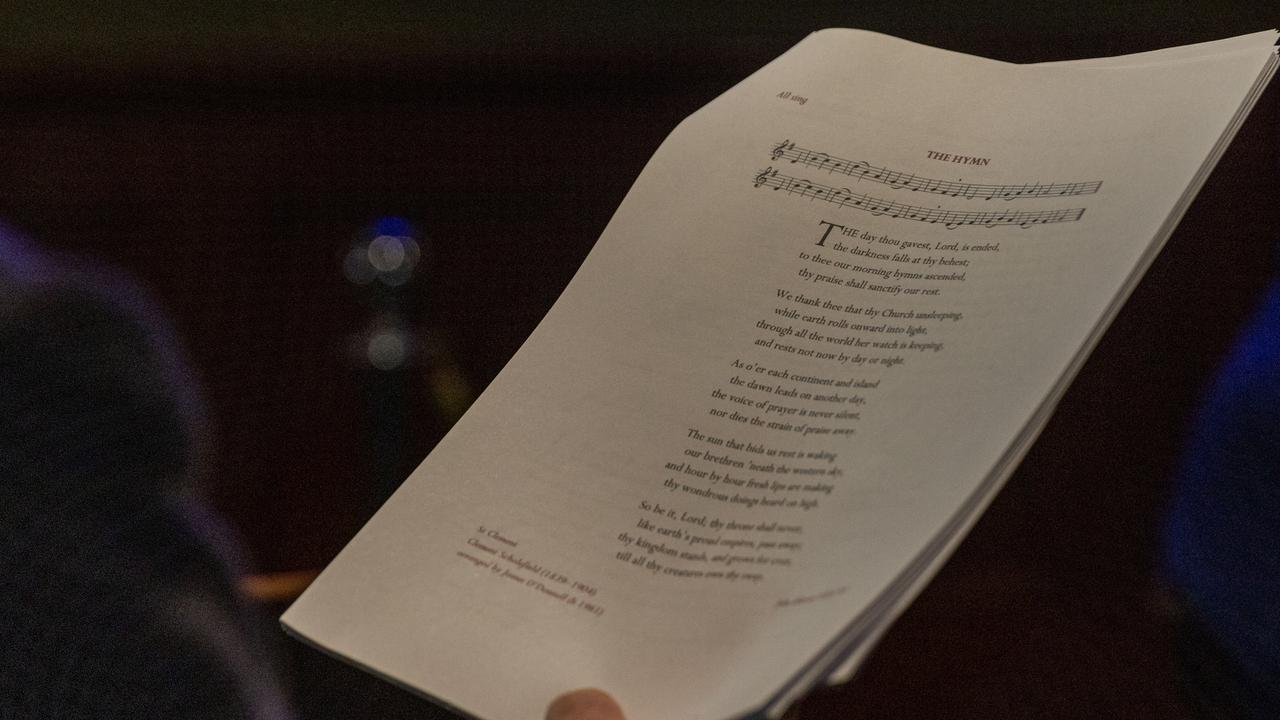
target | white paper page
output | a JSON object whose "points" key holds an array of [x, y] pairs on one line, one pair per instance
{"points": [[1257, 42], [505, 570], [1253, 41]]}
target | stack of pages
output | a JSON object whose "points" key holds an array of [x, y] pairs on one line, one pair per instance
{"points": [[825, 324]]}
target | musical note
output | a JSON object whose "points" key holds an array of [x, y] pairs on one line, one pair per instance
{"points": [[860, 170], [845, 197], [782, 148]]}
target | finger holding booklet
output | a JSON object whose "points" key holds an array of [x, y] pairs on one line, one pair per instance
{"points": [[825, 324]]}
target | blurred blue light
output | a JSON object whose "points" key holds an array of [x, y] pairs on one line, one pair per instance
{"points": [[392, 225]]}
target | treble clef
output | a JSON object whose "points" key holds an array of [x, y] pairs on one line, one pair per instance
{"points": [[764, 176], [781, 148]]}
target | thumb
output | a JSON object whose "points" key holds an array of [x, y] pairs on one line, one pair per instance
{"points": [[587, 704]]}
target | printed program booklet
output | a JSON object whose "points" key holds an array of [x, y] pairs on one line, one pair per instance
{"points": [[827, 321]]}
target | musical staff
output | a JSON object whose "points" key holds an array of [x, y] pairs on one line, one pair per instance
{"points": [[844, 197], [859, 170]]}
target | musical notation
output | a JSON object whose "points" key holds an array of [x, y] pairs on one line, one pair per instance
{"points": [[859, 170], [844, 197]]}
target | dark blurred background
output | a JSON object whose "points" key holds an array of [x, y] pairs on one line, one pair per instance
{"points": [[241, 160]]}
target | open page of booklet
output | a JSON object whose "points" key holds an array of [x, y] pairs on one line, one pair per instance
{"points": [[1258, 42], [826, 322]]}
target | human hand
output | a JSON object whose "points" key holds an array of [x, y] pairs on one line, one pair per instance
{"points": [[593, 704], [586, 704]]}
